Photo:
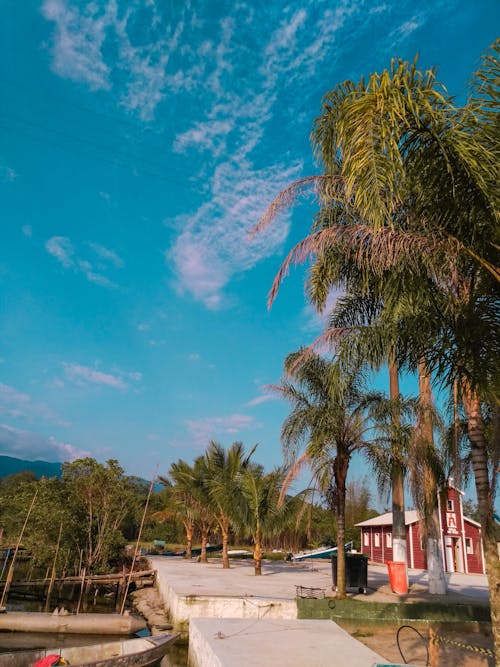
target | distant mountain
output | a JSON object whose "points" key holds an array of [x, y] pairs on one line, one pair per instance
{"points": [[9, 465]]}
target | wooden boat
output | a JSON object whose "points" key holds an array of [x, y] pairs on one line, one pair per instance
{"points": [[213, 548], [140, 652], [320, 552], [88, 624]]}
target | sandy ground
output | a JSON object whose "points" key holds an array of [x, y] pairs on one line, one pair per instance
{"points": [[382, 639]]}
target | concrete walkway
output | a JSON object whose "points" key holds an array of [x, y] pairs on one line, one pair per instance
{"points": [[263, 643], [279, 580], [257, 616]]}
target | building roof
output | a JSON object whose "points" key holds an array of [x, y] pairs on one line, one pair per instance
{"points": [[411, 516]]}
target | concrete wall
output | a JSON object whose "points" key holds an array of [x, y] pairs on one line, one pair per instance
{"points": [[382, 611], [200, 651], [182, 608]]}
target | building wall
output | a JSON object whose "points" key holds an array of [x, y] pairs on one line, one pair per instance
{"points": [[463, 537], [419, 557], [475, 559]]}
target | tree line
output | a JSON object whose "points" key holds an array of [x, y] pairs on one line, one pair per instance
{"points": [[94, 510]]}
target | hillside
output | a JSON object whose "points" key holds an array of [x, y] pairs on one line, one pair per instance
{"points": [[10, 465]]}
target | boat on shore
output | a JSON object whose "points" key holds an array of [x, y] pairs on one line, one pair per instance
{"points": [[139, 652], [320, 552], [88, 624], [213, 548]]}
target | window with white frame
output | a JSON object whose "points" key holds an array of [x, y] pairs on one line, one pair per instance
{"points": [[388, 540], [450, 506], [468, 545], [366, 540], [377, 539]]}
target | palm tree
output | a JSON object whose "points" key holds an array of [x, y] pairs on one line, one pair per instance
{"points": [[418, 179], [261, 514], [224, 471], [206, 520], [328, 419], [182, 505]]}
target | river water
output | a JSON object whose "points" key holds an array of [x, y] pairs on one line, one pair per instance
{"points": [[16, 641]]}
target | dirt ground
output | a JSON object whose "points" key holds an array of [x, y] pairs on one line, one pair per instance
{"points": [[450, 653]]}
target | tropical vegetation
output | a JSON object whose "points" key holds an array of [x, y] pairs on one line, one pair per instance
{"points": [[408, 230]]}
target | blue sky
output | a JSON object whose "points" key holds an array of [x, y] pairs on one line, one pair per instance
{"points": [[139, 142]]}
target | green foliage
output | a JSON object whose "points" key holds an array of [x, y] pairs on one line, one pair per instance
{"points": [[96, 505]]}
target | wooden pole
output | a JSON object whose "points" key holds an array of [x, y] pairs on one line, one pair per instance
{"points": [[81, 590], [53, 573], [125, 593], [10, 573]]}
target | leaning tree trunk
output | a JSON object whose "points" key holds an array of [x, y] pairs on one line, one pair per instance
{"points": [[340, 471], [485, 500], [399, 552], [434, 546]]}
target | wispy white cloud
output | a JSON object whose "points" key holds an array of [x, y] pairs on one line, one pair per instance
{"points": [[136, 70], [80, 33], [19, 405], [35, 446], [203, 430], [210, 135], [194, 356], [107, 255], [212, 245], [27, 230], [258, 400], [214, 63], [63, 250], [406, 29], [7, 174], [84, 375], [205, 257]]}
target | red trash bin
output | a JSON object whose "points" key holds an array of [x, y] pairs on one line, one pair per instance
{"points": [[397, 577]]}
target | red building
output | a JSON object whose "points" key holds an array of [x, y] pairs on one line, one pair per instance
{"points": [[462, 544]]}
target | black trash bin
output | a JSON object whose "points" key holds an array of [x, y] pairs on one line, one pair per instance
{"points": [[356, 571]]}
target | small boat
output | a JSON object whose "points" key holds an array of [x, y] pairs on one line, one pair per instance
{"points": [[140, 652], [239, 553], [88, 624], [212, 548], [320, 552]]}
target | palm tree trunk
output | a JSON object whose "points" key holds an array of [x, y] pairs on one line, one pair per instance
{"points": [[225, 540], [189, 540], [399, 553], [434, 548], [340, 471], [485, 495], [204, 539], [257, 554]]}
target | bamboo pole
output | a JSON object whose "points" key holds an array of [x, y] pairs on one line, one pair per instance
{"points": [[53, 573], [10, 573], [125, 593], [81, 590]]}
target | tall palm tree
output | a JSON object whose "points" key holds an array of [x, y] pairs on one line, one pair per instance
{"points": [[328, 420], [261, 515], [224, 471], [418, 178]]}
